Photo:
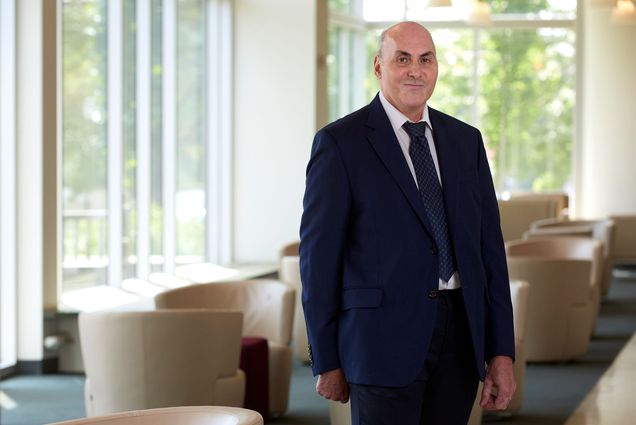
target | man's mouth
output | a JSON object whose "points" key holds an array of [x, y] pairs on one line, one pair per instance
{"points": [[413, 84]]}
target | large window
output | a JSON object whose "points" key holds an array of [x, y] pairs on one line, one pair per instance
{"points": [[145, 89], [8, 321], [515, 79]]}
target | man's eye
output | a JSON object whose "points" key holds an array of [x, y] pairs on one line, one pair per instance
{"points": [[426, 59], [403, 59]]}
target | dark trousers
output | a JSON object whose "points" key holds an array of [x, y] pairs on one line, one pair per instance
{"points": [[444, 391]]}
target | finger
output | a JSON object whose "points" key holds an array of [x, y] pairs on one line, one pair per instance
{"points": [[486, 393], [501, 402]]}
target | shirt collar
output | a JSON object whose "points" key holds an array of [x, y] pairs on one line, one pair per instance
{"points": [[397, 118]]}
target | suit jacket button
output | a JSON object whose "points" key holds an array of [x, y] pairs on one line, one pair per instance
{"points": [[434, 250], [432, 294]]}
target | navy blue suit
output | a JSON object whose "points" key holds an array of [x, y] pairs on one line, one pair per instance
{"points": [[368, 259]]}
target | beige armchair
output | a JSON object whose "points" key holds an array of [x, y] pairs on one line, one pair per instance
{"points": [[290, 274], [601, 230], [149, 359], [190, 415], [562, 294], [625, 240], [518, 213], [568, 248], [268, 312]]}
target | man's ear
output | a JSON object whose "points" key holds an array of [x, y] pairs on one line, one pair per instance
{"points": [[376, 67]]}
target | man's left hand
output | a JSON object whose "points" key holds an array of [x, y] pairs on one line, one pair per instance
{"points": [[499, 385]]}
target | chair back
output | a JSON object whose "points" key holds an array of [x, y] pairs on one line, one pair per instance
{"points": [[267, 305], [518, 213], [290, 249], [562, 248], [560, 199], [149, 359], [189, 415]]}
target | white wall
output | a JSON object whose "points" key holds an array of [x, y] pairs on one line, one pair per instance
{"points": [[607, 167], [274, 121]]}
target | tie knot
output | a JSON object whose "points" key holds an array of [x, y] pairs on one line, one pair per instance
{"points": [[415, 130]]}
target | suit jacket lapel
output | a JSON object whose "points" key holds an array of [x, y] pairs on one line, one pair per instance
{"points": [[385, 144], [447, 155]]}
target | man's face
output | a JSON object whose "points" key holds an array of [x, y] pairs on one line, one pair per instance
{"points": [[407, 68]]}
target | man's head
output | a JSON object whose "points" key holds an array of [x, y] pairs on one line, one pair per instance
{"points": [[406, 66]]}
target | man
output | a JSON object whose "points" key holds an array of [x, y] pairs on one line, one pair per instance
{"points": [[405, 286]]}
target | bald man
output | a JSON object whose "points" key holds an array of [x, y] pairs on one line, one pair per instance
{"points": [[405, 285]]}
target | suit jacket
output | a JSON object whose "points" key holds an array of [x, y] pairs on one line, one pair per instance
{"points": [[368, 259]]}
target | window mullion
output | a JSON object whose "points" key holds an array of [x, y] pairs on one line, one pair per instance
{"points": [[8, 247], [143, 162], [224, 172], [218, 131], [213, 82], [169, 131], [115, 140]]}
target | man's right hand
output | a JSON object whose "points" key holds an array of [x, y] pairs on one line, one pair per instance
{"points": [[333, 386]]}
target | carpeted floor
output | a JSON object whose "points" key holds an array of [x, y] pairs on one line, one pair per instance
{"points": [[552, 391]]}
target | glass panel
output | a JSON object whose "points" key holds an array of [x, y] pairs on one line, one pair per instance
{"points": [[156, 198], [191, 152], [454, 92], [345, 7], [371, 84], [383, 11], [517, 86], [84, 143], [527, 107], [333, 71]]}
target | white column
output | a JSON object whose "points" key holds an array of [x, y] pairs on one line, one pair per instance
{"points": [[274, 121], [36, 94], [608, 145], [219, 132]]}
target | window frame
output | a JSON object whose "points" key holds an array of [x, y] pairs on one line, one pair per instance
{"points": [[8, 240], [217, 135], [355, 24]]}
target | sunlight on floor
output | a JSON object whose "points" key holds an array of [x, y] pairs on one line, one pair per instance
{"points": [[7, 402]]}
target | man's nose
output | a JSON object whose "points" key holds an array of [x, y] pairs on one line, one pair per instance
{"points": [[415, 70]]}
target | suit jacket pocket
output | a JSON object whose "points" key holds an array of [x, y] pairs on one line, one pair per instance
{"points": [[361, 298]]}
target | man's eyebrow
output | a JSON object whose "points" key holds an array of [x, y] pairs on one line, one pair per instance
{"points": [[403, 53]]}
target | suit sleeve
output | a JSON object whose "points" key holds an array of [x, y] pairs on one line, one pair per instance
{"points": [[499, 317], [323, 233]]}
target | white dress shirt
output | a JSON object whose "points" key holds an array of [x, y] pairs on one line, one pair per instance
{"points": [[397, 120]]}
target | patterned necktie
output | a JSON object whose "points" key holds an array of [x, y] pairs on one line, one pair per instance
{"points": [[431, 193]]}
